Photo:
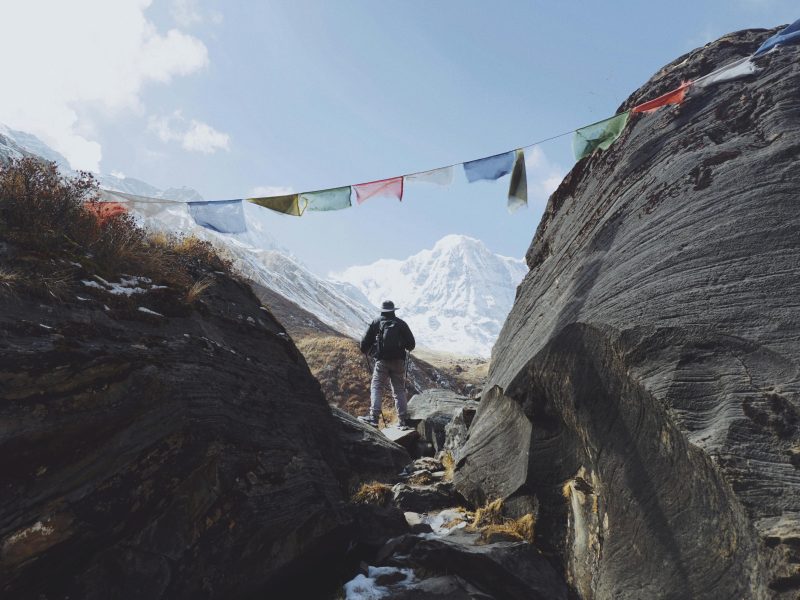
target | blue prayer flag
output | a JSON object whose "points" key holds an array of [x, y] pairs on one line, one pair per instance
{"points": [[493, 167], [788, 35], [226, 216]]}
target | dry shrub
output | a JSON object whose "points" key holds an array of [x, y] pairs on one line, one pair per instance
{"points": [[40, 207], [197, 253], [58, 216], [373, 493]]}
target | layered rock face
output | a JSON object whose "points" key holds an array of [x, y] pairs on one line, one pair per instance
{"points": [[645, 391], [145, 455]]}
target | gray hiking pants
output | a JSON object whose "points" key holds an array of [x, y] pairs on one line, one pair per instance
{"points": [[393, 371]]}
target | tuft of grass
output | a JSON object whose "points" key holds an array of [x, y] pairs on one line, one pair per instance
{"points": [[55, 284], [521, 529], [490, 514], [198, 288], [489, 521], [421, 478], [373, 493], [449, 464], [9, 278]]}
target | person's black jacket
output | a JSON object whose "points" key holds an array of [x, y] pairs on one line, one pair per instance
{"points": [[369, 339]]}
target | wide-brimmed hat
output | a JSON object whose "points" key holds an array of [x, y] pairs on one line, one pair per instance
{"points": [[388, 306]]}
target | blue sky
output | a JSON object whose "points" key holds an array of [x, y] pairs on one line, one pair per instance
{"points": [[235, 97]]}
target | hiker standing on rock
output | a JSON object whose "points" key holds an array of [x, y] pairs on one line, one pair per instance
{"points": [[388, 339]]}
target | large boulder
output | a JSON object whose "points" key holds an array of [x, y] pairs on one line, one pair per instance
{"points": [[644, 394], [433, 410], [153, 456], [370, 454], [508, 570]]}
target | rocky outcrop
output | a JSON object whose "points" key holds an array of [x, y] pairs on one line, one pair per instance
{"points": [[508, 570], [433, 410], [173, 452], [644, 394], [370, 454]]}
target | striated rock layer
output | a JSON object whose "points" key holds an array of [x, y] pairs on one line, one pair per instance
{"points": [[185, 452], [643, 396]]}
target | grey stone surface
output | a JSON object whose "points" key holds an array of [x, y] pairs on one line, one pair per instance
{"points": [[370, 454], [456, 431], [185, 456], [508, 570], [426, 498], [433, 410], [644, 392]]}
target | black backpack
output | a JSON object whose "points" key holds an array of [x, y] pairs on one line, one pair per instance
{"points": [[390, 340]]}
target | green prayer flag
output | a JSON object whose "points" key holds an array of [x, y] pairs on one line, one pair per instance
{"points": [[288, 205], [332, 199], [518, 188], [598, 135]]}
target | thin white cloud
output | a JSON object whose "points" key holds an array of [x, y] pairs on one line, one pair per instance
{"points": [[62, 59], [193, 135], [186, 12], [264, 191]]}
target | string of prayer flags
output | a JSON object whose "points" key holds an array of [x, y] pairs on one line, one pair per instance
{"points": [[443, 176], [332, 199], [226, 216], [392, 188], [743, 67], [490, 168], [598, 135], [676, 96], [288, 205], [518, 187], [787, 35]]}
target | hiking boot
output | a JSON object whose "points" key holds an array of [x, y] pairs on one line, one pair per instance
{"points": [[404, 424], [369, 420]]}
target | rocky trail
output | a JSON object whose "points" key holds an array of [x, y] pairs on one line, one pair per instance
{"points": [[439, 548]]}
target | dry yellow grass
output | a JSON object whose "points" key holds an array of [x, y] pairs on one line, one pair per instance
{"points": [[8, 279], [341, 370], [490, 522], [197, 288], [421, 478], [449, 464], [373, 493], [490, 514], [521, 529]]}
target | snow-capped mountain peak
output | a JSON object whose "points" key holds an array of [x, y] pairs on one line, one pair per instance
{"points": [[455, 296]]}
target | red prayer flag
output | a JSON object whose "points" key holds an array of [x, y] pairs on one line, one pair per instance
{"points": [[106, 210], [674, 97], [385, 187]]}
